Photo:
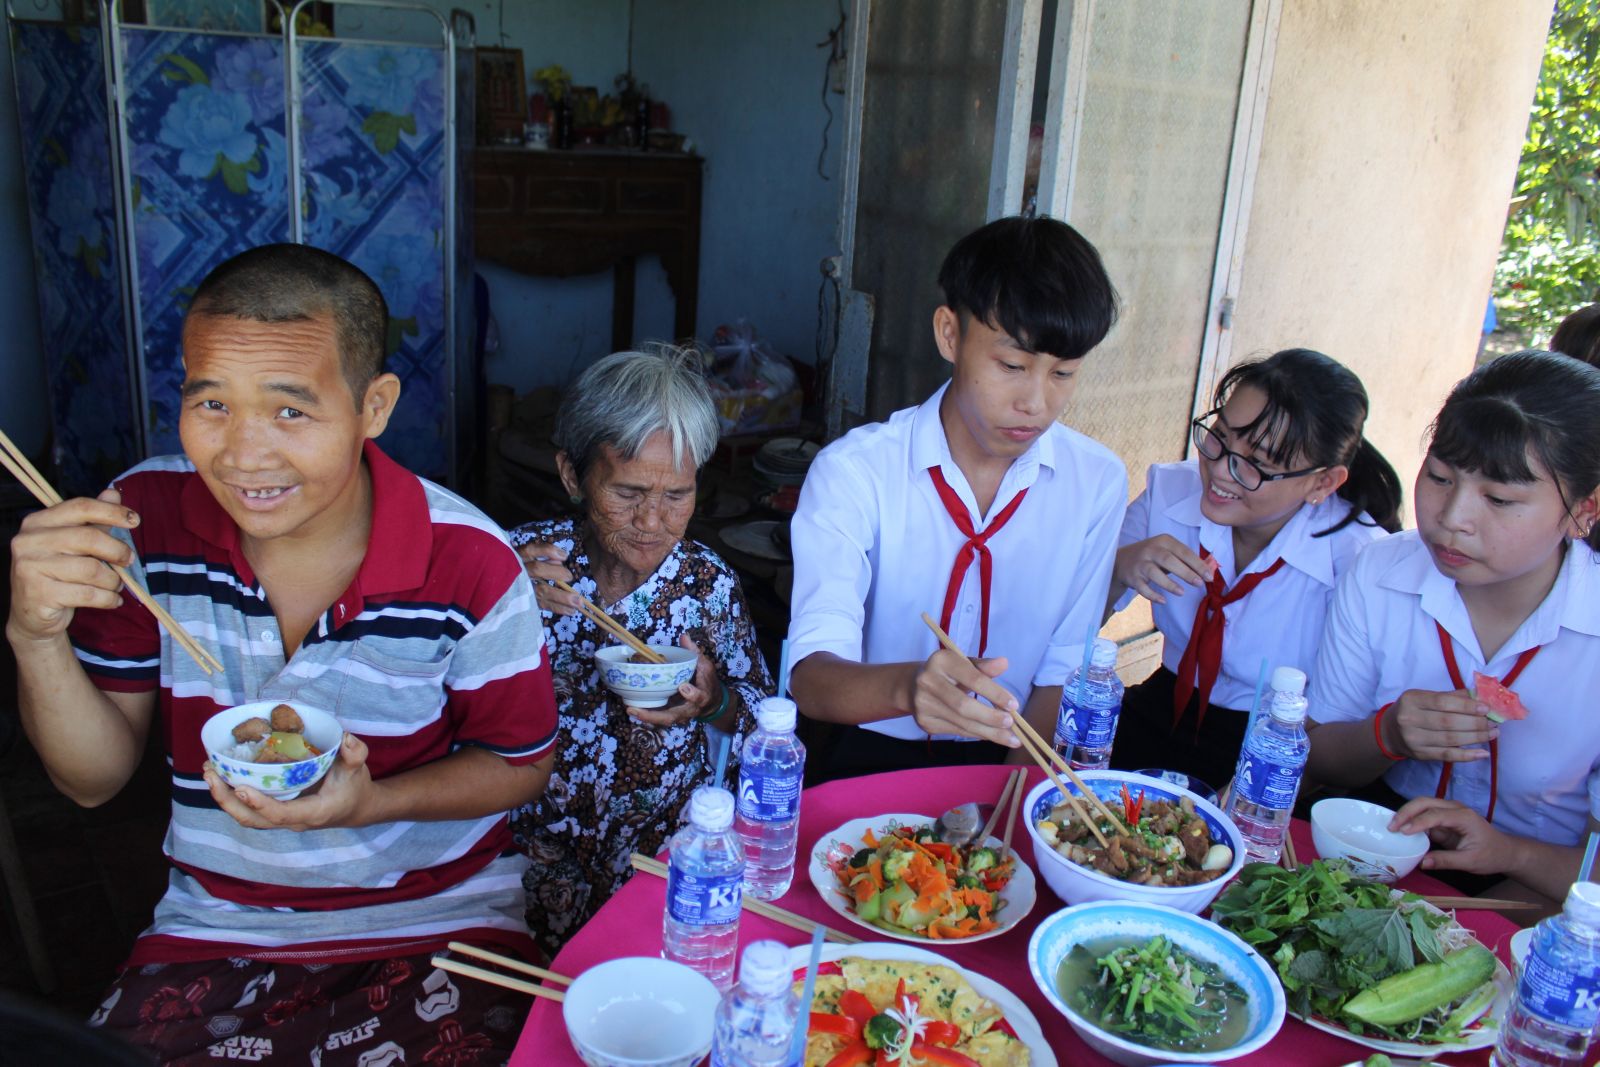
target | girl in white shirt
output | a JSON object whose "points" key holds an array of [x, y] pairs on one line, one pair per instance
{"points": [[1238, 552], [1499, 578]]}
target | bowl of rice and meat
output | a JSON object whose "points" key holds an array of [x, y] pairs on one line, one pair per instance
{"points": [[276, 747]]}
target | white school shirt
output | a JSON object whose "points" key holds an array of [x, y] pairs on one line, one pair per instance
{"points": [[873, 549], [1282, 617], [1381, 639]]}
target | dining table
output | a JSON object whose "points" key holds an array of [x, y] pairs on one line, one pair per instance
{"points": [[629, 924]]}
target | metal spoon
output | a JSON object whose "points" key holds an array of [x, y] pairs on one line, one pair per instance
{"points": [[960, 825]]}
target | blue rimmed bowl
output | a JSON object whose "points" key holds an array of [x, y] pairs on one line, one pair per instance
{"points": [[284, 781], [645, 685], [1077, 884], [1055, 937]]}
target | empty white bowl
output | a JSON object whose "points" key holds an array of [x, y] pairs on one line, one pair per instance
{"points": [[1358, 833], [640, 1011], [1077, 884], [284, 781], [645, 685]]}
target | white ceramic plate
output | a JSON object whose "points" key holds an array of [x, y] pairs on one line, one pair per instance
{"points": [[1016, 899], [1479, 1036], [1016, 1012]]}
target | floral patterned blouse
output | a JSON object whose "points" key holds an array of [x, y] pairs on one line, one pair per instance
{"points": [[619, 786]]}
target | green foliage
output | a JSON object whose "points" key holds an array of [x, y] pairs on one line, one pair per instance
{"points": [[1550, 257]]}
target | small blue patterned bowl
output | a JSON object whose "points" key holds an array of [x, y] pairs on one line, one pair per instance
{"points": [[285, 781], [1077, 884], [1239, 963], [645, 685]]}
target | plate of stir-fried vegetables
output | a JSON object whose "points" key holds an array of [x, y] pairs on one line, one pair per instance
{"points": [[893, 875]]}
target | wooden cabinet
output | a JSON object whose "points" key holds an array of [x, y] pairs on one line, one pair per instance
{"points": [[561, 213]]}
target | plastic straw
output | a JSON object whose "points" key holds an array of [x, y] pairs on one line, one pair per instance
{"points": [[1261, 685], [783, 669], [1588, 857], [1088, 655], [797, 1043]]}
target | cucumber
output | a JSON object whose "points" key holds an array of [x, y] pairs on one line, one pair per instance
{"points": [[1412, 994]]}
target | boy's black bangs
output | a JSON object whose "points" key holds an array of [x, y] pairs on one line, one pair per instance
{"points": [[1487, 436], [1014, 303]]}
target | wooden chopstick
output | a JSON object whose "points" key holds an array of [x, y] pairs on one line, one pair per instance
{"points": [[1011, 815], [1222, 797], [760, 907], [25, 472], [1289, 861], [1482, 904], [493, 978], [1000, 805], [606, 622], [506, 961], [1044, 755]]}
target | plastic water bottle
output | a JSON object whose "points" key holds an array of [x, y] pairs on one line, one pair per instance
{"points": [[1086, 728], [768, 816], [701, 924], [1271, 763], [755, 1021], [1551, 1023]]}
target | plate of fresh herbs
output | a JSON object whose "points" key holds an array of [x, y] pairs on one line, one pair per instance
{"points": [[1361, 960]]}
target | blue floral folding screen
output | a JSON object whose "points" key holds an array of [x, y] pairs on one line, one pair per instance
{"points": [[205, 127], [66, 156], [205, 133], [373, 160]]}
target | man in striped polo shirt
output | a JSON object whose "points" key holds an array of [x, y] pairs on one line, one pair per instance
{"points": [[315, 569]]}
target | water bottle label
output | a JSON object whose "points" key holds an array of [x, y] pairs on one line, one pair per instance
{"points": [[768, 796], [1266, 783], [1089, 726], [704, 899], [1558, 995]]}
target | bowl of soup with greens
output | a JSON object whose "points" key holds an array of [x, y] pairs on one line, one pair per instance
{"points": [[1146, 984]]}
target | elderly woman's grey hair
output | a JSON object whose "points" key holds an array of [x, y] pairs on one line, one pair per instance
{"points": [[626, 397]]}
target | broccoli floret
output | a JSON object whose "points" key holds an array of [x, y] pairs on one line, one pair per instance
{"points": [[968, 881], [895, 864], [981, 859], [924, 835], [881, 1031]]}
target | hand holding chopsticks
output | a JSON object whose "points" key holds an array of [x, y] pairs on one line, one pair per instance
{"points": [[21, 468], [1045, 756], [599, 617]]}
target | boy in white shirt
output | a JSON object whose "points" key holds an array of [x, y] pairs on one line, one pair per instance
{"points": [[978, 507]]}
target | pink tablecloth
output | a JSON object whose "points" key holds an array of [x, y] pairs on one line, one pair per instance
{"points": [[630, 924]]}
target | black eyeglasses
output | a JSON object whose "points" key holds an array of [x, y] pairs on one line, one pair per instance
{"points": [[1243, 469]]}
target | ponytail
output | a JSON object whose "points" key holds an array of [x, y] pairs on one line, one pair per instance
{"points": [[1372, 487]]}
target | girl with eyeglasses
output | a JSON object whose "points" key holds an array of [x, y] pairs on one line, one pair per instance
{"points": [[1238, 550], [1497, 588]]}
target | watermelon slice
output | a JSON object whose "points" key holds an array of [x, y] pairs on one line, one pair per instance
{"points": [[1503, 703]]}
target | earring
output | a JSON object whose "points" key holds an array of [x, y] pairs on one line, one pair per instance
{"points": [[576, 498]]}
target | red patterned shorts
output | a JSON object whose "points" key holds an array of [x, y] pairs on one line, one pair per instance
{"points": [[377, 1014]]}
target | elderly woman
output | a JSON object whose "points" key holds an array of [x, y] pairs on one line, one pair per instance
{"points": [[632, 433]]}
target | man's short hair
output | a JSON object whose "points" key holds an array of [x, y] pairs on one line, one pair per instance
{"points": [[293, 283], [1037, 279]]}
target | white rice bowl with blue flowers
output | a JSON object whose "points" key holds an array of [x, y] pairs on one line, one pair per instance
{"points": [[235, 762], [645, 685]]}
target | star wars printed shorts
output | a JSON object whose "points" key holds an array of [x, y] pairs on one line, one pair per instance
{"points": [[379, 1014]]}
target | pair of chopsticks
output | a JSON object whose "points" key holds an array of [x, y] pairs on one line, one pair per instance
{"points": [[25, 472], [1045, 756], [1480, 904], [760, 907], [445, 963], [1290, 863], [1010, 800], [610, 625]]}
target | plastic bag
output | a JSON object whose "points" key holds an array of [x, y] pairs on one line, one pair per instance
{"points": [[754, 387]]}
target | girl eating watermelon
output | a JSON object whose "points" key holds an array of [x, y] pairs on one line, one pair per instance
{"points": [[1460, 659]]}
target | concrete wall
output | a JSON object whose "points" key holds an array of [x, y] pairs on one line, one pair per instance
{"points": [[1390, 147], [24, 408]]}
